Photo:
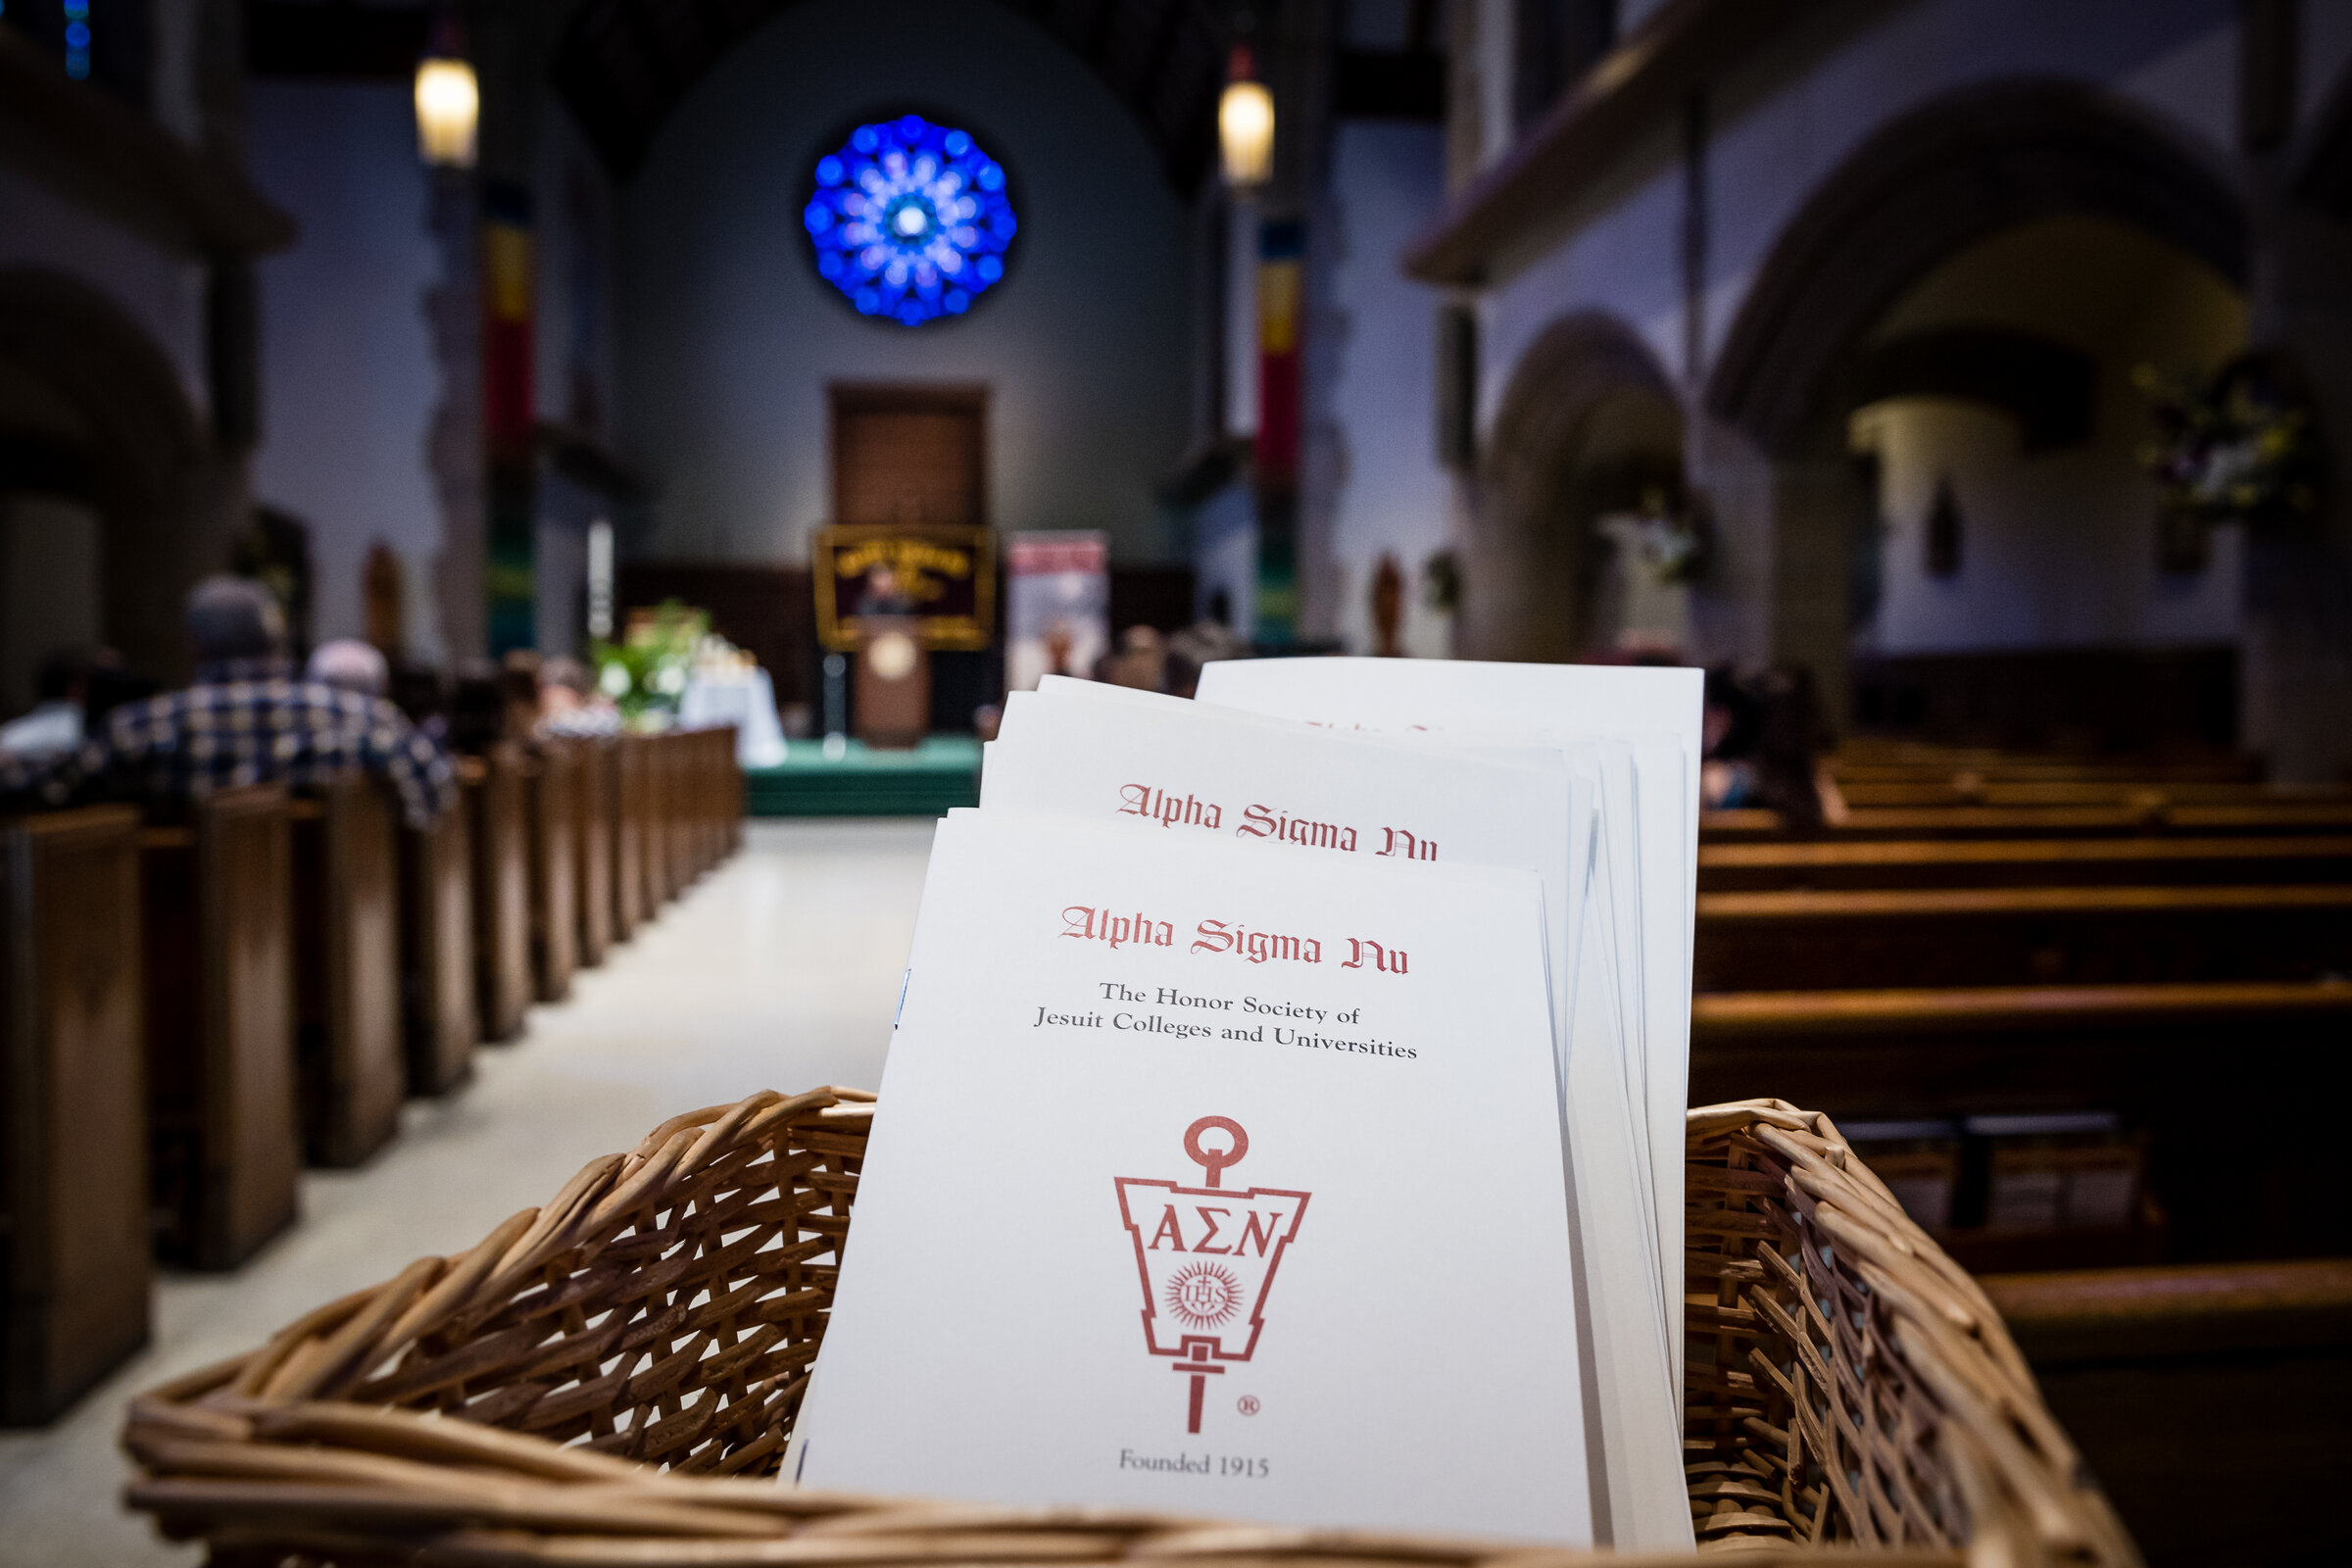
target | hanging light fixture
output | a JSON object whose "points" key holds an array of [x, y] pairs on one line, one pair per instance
{"points": [[1245, 124], [449, 102]]}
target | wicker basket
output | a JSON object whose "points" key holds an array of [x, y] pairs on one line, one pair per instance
{"points": [[629, 1361]]}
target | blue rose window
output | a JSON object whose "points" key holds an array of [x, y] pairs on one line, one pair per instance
{"points": [[910, 220]]}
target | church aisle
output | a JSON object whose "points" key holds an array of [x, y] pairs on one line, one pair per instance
{"points": [[780, 970]]}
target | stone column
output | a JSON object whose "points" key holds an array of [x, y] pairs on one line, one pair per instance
{"points": [[453, 455], [1775, 589], [2297, 664]]}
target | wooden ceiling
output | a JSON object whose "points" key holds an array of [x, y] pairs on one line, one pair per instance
{"points": [[624, 65]]}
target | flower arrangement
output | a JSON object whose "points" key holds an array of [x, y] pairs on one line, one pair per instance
{"points": [[1671, 540], [646, 673], [2234, 446]]}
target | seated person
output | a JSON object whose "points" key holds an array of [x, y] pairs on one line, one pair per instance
{"points": [[1142, 661], [481, 712], [1727, 775], [247, 718], [1764, 745], [55, 723], [569, 702], [349, 664]]}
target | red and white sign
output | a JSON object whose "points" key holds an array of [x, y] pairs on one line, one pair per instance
{"points": [[1208, 1256]]}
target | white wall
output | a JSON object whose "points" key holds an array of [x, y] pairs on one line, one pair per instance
{"points": [[2060, 547], [729, 337], [1776, 141], [348, 377], [162, 293], [2057, 551], [1373, 367]]}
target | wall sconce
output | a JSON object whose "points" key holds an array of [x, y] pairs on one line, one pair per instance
{"points": [[449, 103], [1245, 124]]}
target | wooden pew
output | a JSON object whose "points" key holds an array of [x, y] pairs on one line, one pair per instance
{"points": [[694, 805], [707, 788], [75, 1244], [347, 982], [653, 805], [734, 804], [1808, 940], [2004, 769], [626, 763], [492, 788], [225, 1142], [436, 953], [671, 800], [1748, 825], [702, 828], [726, 796], [2208, 1400], [1879, 864], [552, 812], [592, 848], [661, 820], [1971, 790], [2211, 1071]]}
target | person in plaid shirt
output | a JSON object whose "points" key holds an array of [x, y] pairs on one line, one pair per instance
{"points": [[249, 717]]}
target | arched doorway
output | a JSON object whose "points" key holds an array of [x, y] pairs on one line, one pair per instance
{"points": [[1588, 435], [1953, 279], [105, 460], [2011, 524]]}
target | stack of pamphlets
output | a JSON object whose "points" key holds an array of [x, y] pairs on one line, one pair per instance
{"points": [[1284, 1117]]}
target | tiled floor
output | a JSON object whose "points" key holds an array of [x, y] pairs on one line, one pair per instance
{"points": [[780, 970]]}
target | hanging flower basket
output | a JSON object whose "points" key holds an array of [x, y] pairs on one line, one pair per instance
{"points": [[1669, 537], [2240, 445]]}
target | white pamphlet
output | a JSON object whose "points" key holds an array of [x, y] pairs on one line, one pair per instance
{"points": [[1216, 1180], [1647, 721], [1190, 770]]}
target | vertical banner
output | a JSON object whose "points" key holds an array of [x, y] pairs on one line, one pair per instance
{"points": [[1281, 311], [509, 415], [1057, 606]]}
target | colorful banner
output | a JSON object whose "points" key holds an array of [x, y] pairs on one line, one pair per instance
{"points": [[1281, 324], [1057, 606], [510, 416]]}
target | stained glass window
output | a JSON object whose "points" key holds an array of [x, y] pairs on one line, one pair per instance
{"points": [[910, 219]]}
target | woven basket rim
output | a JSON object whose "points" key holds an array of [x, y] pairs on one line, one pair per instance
{"points": [[259, 1443]]}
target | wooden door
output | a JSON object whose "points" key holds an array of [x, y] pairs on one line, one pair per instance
{"points": [[910, 454]]}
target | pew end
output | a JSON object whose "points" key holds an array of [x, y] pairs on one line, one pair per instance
{"points": [[491, 787], [224, 1126], [2208, 1399], [347, 970], [75, 1244], [439, 1023]]}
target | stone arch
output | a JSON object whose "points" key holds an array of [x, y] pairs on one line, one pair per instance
{"points": [[142, 448], [624, 65], [1587, 421], [1954, 171]]}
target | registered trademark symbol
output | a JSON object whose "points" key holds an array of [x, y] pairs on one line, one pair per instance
{"points": [[1247, 1405]]}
